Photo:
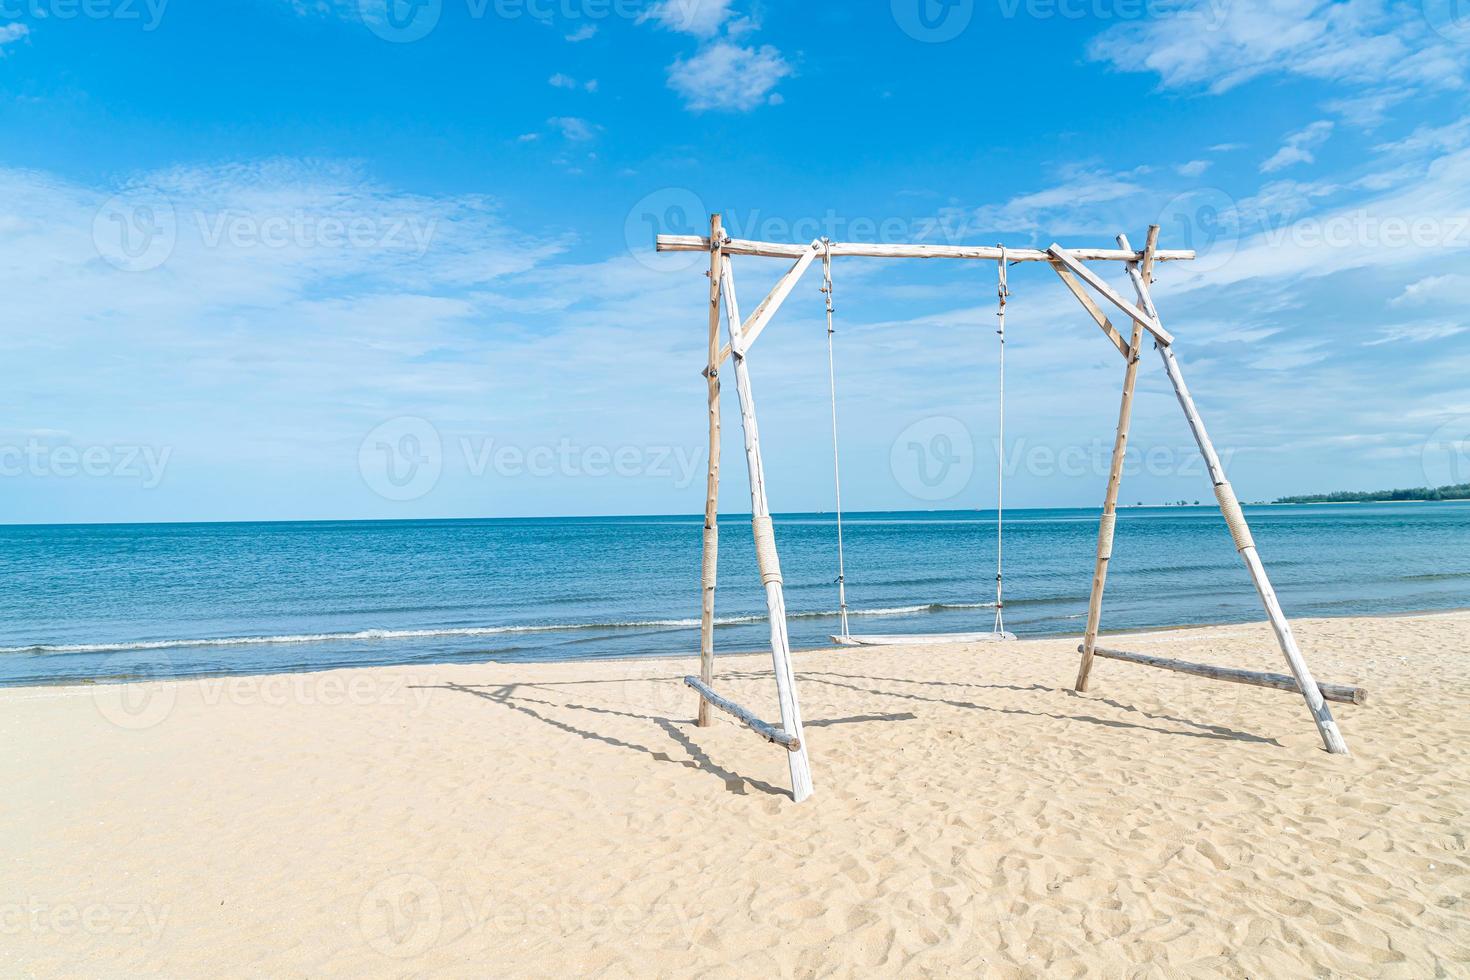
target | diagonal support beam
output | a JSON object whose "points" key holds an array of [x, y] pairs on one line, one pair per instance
{"points": [[767, 558], [1244, 542], [1088, 304], [752, 327], [1150, 323]]}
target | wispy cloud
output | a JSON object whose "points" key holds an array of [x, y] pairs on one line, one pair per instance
{"points": [[1299, 147], [573, 128], [11, 34], [1367, 44]]}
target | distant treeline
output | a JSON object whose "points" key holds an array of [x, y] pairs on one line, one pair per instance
{"points": [[1459, 491]]}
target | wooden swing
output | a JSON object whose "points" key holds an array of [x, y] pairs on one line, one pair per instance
{"points": [[1070, 266], [998, 631]]}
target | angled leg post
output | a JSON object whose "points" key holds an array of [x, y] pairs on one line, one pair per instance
{"points": [[765, 551], [1241, 532], [710, 561], [1115, 477]]}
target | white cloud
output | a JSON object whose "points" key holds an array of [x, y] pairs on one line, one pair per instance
{"points": [[1217, 46], [563, 80], [11, 33], [728, 76], [1193, 168], [1056, 210], [573, 128], [1447, 288], [1299, 146], [702, 18], [584, 33]]}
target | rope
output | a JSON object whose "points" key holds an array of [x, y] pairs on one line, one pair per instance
{"points": [[1003, 291], [836, 461], [765, 550]]}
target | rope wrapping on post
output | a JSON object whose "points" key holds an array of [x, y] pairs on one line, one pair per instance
{"points": [[765, 551], [1105, 530], [711, 555], [1234, 517]]}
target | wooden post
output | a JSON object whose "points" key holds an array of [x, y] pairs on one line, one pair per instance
{"points": [[1244, 543], [712, 480], [766, 556], [1343, 693], [1115, 478]]}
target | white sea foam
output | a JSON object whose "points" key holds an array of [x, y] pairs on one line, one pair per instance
{"points": [[464, 631]]}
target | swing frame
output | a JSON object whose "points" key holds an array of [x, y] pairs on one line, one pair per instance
{"points": [[1080, 279]]}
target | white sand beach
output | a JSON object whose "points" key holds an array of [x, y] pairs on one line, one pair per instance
{"points": [[972, 816]]}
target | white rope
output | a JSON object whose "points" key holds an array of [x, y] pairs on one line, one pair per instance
{"points": [[1004, 292], [836, 460]]}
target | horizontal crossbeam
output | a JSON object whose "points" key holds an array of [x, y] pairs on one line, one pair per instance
{"points": [[1341, 693], [781, 250], [767, 731]]}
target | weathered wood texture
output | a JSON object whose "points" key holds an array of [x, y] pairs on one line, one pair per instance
{"points": [[710, 563], [1108, 523], [800, 766], [1341, 693], [752, 327], [1093, 310], [764, 729], [783, 250], [1074, 265], [1240, 530]]}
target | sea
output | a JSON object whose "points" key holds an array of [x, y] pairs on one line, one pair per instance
{"points": [[122, 601]]}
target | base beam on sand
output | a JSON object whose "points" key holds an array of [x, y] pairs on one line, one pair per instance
{"points": [[1341, 693], [920, 639], [765, 730]]}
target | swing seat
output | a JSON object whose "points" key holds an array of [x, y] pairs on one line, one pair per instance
{"points": [[918, 639]]}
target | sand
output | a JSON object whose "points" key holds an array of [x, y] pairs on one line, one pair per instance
{"points": [[973, 816]]}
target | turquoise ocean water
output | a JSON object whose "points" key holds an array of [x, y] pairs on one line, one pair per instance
{"points": [[118, 601]]}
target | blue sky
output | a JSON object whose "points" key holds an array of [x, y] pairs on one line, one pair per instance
{"points": [[322, 259]]}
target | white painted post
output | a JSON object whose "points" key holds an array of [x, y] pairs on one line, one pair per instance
{"points": [[765, 550], [1241, 532]]}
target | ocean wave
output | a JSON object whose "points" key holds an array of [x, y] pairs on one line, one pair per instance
{"points": [[463, 631]]}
